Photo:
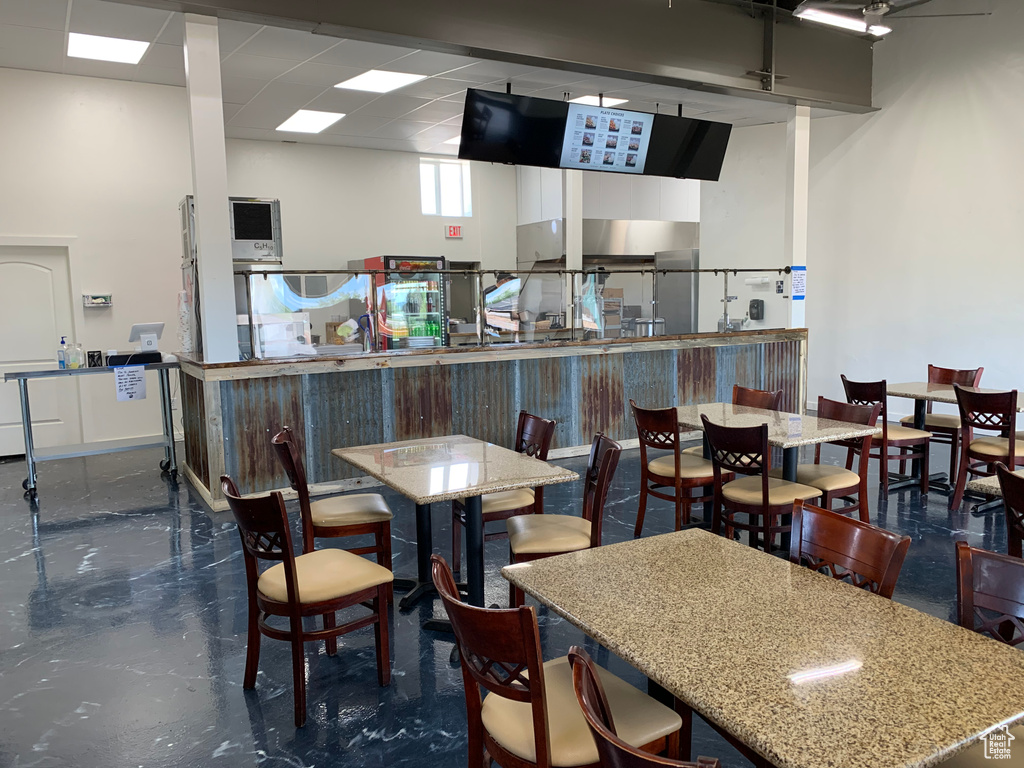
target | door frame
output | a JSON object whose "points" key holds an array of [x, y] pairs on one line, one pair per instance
{"points": [[69, 245]]}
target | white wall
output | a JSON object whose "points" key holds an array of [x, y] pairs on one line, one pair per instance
{"points": [[104, 162], [641, 198], [341, 203], [107, 161], [743, 226], [916, 225], [539, 194]]}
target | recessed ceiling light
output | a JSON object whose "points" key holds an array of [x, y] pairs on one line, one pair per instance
{"points": [[380, 81], [106, 48], [595, 101], [309, 121], [453, 140], [839, 20]]}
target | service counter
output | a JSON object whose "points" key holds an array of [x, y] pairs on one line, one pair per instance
{"points": [[231, 410]]}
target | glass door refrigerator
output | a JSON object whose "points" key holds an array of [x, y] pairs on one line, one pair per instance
{"points": [[412, 302]]}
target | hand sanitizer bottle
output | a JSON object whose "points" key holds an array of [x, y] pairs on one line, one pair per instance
{"points": [[62, 354]]}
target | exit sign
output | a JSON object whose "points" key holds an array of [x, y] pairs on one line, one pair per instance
{"points": [[453, 230]]}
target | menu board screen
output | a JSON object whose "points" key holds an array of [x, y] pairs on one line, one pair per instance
{"points": [[604, 139]]}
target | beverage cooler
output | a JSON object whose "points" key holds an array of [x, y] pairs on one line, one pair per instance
{"points": [[412, 301]]}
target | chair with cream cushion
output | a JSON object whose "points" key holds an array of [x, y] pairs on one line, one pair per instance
{"points": [[842, 482], [658, 430], [990, 412], [762, 499], [990, 594], [945, 427], [353, 514], [910, 443], [318, 583], [766, 399], [532, 537], [529, 715], [593, 700], [533, 437]]}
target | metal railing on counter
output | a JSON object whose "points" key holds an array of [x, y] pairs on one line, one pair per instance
{"points": [[385, 308]]}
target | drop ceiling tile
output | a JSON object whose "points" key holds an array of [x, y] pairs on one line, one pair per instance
{"points": [[392, 105], [160, 76], [357, 125], [548, 77], [401, 129], [436, 111], [132, 22], [32, 43], [437, 88], [256, 67], [233, 132], [324, 75], [436, 134], [290, 44], [230, 110], [483, 71], [341, 100], [239, 90], [90, 68], [427, 63], [165, 56], [174, 32], [356, 53], [44, 14], [233, 34], [274, 104]]}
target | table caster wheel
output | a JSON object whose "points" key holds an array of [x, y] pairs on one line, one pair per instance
{"points": [[24, 484], [165, 465]]}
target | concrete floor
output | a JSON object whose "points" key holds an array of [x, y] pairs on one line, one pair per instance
{"points": [[123, 642]]}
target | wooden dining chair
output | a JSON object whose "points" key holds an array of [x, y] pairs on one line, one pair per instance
{"points": [[532, 537], [529, 716], [1011, 485], [842, 482], [318, 583], [658, 430], [990, 593], [613, 751], [766, 399], [533, 438], [945, 427], [846, 549], [761, 498], [989, 412], [332, 517], [909, 443]]}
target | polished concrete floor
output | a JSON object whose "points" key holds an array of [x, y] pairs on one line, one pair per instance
{"points": [[123, 639]]}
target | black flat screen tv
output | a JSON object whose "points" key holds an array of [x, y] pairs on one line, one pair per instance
{"points": [[522, 130]]}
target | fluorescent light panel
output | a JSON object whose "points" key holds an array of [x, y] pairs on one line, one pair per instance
{"points": [[106, 48], [595, 101], [839, 20], [310, 121], [380, 81]]}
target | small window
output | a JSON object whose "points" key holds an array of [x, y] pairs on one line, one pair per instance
{"points": [[445, 188]]}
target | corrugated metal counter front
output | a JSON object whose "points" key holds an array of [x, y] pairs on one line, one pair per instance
{"points": [[231, 410]]}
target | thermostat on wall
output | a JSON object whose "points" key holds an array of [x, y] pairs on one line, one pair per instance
{"points": [[97, 300]]}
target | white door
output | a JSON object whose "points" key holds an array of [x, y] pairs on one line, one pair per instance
{"points": [[35, 310]]}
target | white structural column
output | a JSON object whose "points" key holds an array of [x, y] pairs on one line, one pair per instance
{"points": [[210, 184], [798, 151], [572, 211]]}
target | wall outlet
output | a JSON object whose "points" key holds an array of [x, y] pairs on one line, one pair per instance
{"points": [[175, 404]]}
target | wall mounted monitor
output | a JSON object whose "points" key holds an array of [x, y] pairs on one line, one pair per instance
{"points": [[521, 130]]}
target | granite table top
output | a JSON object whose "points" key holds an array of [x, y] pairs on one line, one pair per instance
{"points": [[807, 671], [937, 393], [989, 485], [451, 467], [785, 430]]}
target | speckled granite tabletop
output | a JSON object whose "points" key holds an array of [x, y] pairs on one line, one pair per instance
{"points": [[785, 430], [451, 467], [988, 485], [809, 672], [937, 393]]}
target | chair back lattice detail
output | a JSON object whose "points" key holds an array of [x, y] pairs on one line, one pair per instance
{"points": [[1012, 487], [656, 428], [534, 435], [262, 522], [989, 411], [743, 450], [847, 549], [990, 593], [866, 393], [613, 751], [757, 398]]}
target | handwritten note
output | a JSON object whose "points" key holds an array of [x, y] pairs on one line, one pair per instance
{"points": [[799, 275], [130, 383]]}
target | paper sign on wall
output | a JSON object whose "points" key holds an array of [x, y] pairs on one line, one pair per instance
{"points": [[130, 382], [799, 275]]}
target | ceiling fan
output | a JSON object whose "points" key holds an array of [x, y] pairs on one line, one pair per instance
{"points": [[873, 14]]}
